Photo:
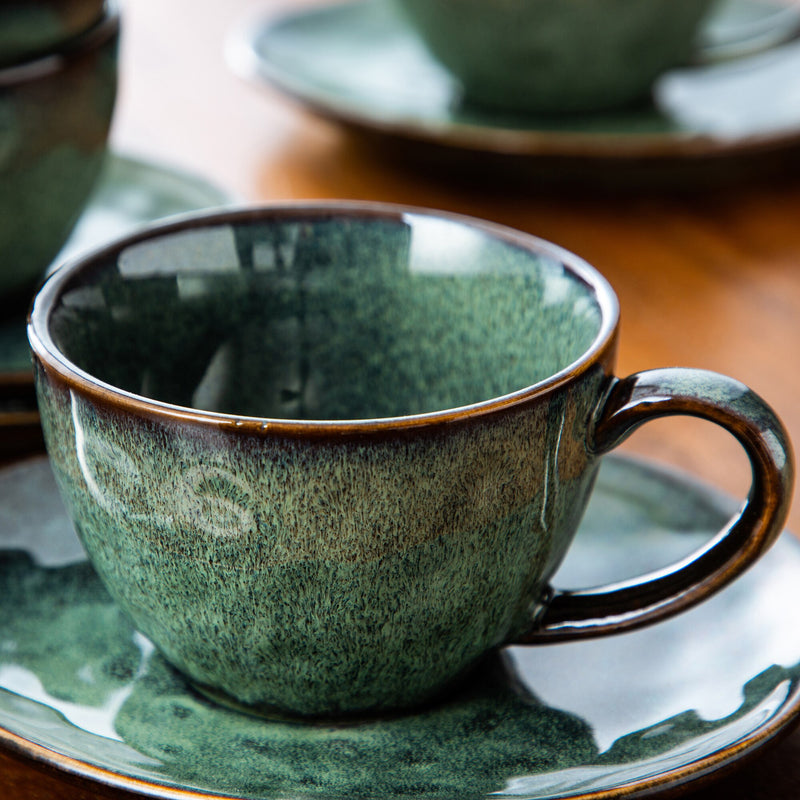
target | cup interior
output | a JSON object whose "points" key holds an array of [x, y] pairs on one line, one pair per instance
{"points": [[323, 316]]}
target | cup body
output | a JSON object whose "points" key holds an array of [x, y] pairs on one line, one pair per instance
{"points": [[553, 56], [55, 113], [325, 457]]}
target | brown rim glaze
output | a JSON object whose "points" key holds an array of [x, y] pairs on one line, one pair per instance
{"points": [[45, 350]]}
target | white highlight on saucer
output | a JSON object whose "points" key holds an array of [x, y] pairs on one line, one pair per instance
{"points": [[97, 720]]}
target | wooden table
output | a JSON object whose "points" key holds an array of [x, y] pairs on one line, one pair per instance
{"points": [[706, 278]]}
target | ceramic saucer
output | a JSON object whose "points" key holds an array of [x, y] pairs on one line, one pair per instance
{"points": [[743, 27], [360, 64], [130, 192], [87, 699]]}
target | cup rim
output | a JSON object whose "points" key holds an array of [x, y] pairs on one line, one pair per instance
{"points": [[52, 359], [41, 63]]}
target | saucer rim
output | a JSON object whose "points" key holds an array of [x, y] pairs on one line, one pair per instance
{"points": [[706, 770], [244, 59]]}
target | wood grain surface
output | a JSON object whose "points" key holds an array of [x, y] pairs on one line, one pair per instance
{"points": [[707, 277]]}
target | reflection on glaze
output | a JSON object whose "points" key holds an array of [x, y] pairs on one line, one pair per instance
{"points": [[209, 498], [62, 629], [96, 719]]}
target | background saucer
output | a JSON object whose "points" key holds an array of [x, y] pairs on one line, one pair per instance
{"points": [[742, 27], [359, 64], [640, 714]]}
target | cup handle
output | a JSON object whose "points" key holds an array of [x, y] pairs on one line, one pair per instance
{"points": [[569, 615]]}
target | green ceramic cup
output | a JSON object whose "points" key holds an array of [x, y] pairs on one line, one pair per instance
{"points": [[55, 113], [555, 56], [33, 28], [327, 456]]}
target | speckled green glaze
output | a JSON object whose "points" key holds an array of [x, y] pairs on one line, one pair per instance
{"points": [[592, 719], [54, 120], [566, 56], [342, 570], [320, 577]]}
